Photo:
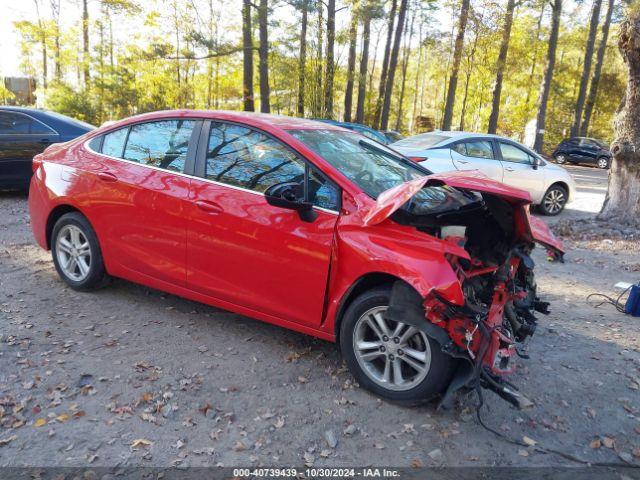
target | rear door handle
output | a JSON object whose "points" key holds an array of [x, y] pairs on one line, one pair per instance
{"points": [[45, 141], [462, 161], [508, 169], [107, 177], [209, 207]]}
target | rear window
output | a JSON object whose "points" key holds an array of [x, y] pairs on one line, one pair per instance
{"points": [[424, 140]]}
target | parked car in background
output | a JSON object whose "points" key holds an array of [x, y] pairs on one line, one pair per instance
{"points": [[25, 132], [583, 150], [392, 135], [304, 225], [368, 132], [500, 158]]}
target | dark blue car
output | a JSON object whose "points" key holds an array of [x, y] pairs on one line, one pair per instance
{"points": [[25, 132], [362, 129]]}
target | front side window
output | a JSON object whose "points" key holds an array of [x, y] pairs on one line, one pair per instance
{"points": [[511, 153], [162, 144], [245, 158], [113, 143]]}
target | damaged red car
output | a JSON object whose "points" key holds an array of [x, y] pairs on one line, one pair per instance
{"points": [[425, 281]]}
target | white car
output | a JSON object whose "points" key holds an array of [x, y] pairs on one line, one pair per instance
{"points": [[550, 186]]}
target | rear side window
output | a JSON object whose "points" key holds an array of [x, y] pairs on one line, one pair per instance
{"points": [[18, 124], [162, 144], [476, 148], [113, 144]]}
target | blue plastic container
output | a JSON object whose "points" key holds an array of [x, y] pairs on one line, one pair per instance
{"points": [[632, 307]]}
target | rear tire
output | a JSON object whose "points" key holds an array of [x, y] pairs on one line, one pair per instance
{"points": [[554, 200], [76, 252], [409, 370]]}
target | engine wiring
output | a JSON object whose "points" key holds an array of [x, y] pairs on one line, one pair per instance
{"points": [[619, 306]]}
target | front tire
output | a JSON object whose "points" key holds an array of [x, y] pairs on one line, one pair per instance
{"points": [[561, 159], [393, 360], [603, 162], [76, 252], [554, 200]]}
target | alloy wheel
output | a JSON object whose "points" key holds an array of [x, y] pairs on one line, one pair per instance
{"points": [[73, 252], [392, 354], [561, 159], [554, 201], [603, 163]]}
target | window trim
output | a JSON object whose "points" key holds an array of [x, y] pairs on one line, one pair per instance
{"points": [[201, 161], [502, 159], [191, 148], [21, 114]]}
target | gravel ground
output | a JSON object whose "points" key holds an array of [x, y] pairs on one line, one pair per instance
{"points": [[132, 376]]}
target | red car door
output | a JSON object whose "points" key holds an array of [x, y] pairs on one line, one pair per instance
{"points": [[141, 201], [241, 249]]}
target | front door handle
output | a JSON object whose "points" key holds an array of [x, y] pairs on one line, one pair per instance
{"points": [[508, 169], [462, 161], [107, 177], [209, 207], [45, 141]]}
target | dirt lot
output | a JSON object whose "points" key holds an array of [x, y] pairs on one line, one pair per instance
{"points": [[132, 376]]}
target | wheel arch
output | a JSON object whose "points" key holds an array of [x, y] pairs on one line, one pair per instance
{"points": [[55, 215], [366, 282]]}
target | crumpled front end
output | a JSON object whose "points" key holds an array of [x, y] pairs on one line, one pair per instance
{"points": [[493, 326]]}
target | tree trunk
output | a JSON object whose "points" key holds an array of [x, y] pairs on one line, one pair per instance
{"points": [[545, 87], [263, 54], [247, 57], [351, 64], [500, 66], [586, 69], [534, 63], [595, 79], [416, 85], [405, 65], [623, 196], [85, 44], [470, 66], [302, 60], [43, 44], [457, 55], [318, 110], [55, 13], [364, 60], [385, 64], [393, 63], [331, 37]]}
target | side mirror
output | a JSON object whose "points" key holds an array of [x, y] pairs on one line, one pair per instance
{"points": [[536, 163], [289, 195]]}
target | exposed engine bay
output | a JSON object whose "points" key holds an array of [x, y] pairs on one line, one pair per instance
{"points": [[498, 318]]}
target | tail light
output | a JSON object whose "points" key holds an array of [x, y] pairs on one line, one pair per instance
{"points": [[417, 159]]}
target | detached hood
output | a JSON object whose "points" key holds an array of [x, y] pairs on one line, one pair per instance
{"points": [[391, 200]]}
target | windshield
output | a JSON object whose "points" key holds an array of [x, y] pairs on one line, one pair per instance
{"points": [[370, 165], [424, 140]]}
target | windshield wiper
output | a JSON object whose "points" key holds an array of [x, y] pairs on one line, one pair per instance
{"points": [[389, 153]]}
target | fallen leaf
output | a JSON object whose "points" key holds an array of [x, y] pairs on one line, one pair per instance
{"points": [[5, 441], [302, 379], [595, 443], [279, 422], [608, 442], [529, 441], [309, 459], [62, 418], [141, 442], [79, 413], [523, 453], [416, 463], [40, 422], [239, 447]]}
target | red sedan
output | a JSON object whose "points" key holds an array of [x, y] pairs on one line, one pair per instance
{"points": [[424, 280]]}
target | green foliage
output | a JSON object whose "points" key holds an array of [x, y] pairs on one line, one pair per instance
{"points": [[187, 55]]}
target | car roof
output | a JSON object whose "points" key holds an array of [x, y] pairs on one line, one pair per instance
{"points": [[260, 120]]}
